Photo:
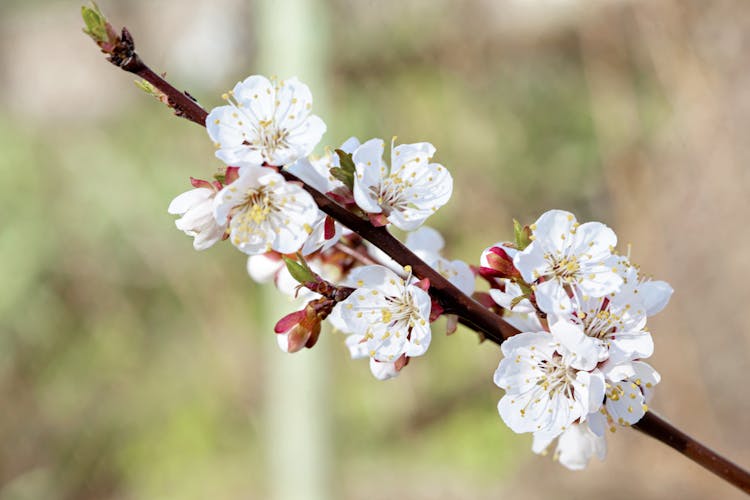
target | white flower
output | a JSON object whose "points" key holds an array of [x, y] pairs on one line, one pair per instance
{"points": [[651, 295], [575, 446], [427, 244], [391, 315], [565, 255], [267, 213], [605, 328], [542, 392], [196, 208], [629, 389], [316, 173], [265, 121], [407, 193]]}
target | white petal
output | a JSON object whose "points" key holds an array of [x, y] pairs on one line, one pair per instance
{"points": [[357, 348], [577, 445], [183, 202], [585, 352], [420, 152], [378, 277], [426, 241], [383, 370], [368, 161], [553, 230], [655, 295], [594, 241], [350, 145], [262, 268], [294, 101], [552, 298], [257, 94], [531, 262]]}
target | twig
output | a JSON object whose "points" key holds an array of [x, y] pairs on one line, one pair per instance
{"points": [[351, 252]]}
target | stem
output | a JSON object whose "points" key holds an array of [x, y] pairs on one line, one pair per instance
{"points": [[362, 257], [471, 313], [658, 428]]}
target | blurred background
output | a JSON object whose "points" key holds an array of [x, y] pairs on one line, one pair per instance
{"points": [[133, 367]]}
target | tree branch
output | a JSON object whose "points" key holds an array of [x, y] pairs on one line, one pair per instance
{"points": [[471, 313]]}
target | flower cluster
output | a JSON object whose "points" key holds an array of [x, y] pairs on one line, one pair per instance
{"points": [[266, 129], [576, 368]]}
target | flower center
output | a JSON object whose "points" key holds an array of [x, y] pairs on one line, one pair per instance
{"points": [[271, 137], [391, 193], [566, 268], [557, 377]]}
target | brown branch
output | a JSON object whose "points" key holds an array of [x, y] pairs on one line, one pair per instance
{"points": [[469, 311], [658, 428]]}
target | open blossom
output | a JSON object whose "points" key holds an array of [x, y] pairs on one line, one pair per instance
{"points": [[266, 121], [409, 191], [629, 389], [265, 212], [602, 329], [196, 208], [391, 315], [651, 295], [542, 391], [565, 255]]}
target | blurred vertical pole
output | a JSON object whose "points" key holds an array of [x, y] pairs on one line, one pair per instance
{"points": [[291, 42]]}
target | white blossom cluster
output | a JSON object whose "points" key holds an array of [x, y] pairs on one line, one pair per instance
{"points": [[267, 126], [575, 370]]}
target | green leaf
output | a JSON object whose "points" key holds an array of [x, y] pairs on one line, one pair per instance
{"points": [[96, 23], [346, 177], [517, 300], [522, 235], [346, 161], [344, 173], [299, 272]]}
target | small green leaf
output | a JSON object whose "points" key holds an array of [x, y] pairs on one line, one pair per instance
{"points": [[346, 177], [96, 23], [517, 300], [299, 272], [221, 177], [345, 172], [522, 235], [346, 161]]}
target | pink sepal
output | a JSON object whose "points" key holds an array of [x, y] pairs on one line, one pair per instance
{"points": [[342, 196], [401, 362], [451, 324], [435, 310], [378, 220], [288, 321], [424, 284], [231, 175], [329, 228], [200, 183]]}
